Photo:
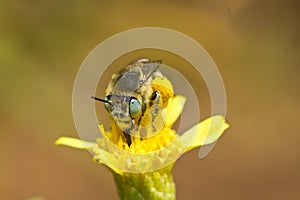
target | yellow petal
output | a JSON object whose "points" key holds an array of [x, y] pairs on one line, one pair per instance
{"points": [[174, 109], [204, 133], [106, 158], [75, 143], [162, 83], [101, 156]]}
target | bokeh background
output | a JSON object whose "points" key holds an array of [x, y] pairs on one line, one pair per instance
{"points": [[255, 44]]}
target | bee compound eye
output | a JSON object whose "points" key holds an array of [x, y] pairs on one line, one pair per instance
{"points": [[134, 107]]}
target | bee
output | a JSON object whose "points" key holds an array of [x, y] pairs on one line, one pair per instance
{"points": [[134, 105]]}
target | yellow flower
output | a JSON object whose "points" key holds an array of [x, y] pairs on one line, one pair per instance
{"points": [[147, 162], [155, 152]]}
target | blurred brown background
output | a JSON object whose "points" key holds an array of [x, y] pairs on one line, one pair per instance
{"points": [[255, 44]]}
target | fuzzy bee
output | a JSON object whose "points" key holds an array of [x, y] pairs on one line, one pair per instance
{"points": [[134, 101]]}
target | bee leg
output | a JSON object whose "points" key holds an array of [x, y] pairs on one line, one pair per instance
{"points": [[144, 107], [128, 138], [156, 110]]}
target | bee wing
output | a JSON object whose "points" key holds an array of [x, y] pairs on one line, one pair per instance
{"points": [[149, 68]]}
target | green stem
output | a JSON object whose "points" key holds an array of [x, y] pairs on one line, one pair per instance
{"points": [[157, 185]]}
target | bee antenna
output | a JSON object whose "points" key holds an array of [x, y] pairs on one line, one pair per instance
{"points": [[98, 99]]}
